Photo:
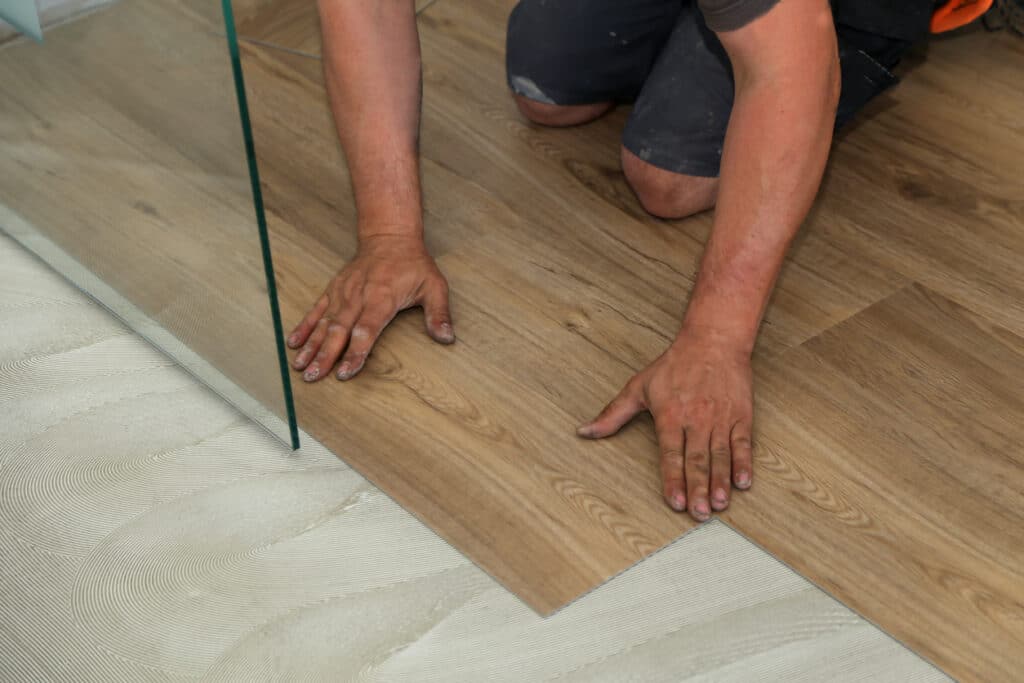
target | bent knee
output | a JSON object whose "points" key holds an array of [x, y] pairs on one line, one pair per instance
{"points": [[547, 114], [666, 194]]}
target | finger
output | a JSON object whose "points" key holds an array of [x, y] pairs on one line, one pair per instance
{"points": [[437, 314], [721, 467], [696, 453], [301, 332], [742, 455], [621, 410], [670, 443], [312, 345], [332, 346], [364, 336]]}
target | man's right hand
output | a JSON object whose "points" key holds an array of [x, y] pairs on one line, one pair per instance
{"points": [[389, 274]]}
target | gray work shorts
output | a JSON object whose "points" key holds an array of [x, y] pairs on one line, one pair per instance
{"points": [[661, 56]]}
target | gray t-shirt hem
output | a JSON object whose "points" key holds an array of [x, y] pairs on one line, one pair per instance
{"points": [[729, 15]]}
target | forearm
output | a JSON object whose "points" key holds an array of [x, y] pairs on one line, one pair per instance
{"points": [[372, 70], [773, 158]]}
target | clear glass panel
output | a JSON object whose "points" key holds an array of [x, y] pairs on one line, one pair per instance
{"points": [[126, 164]]}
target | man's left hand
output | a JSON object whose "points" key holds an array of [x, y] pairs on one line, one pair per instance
{"points": [[700, 394]]}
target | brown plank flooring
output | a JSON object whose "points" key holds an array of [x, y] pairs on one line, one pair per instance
{"points": [[891, 472], [890, 467], [546, 266]]}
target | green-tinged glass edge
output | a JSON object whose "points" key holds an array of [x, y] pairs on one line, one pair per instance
{"points": [[261, 219]]}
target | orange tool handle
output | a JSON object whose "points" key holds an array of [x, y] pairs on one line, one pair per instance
{"points": [[957, 13]]}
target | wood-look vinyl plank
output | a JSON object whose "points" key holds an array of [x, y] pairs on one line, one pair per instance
{"points": [[891, 472], [562, 287], [326, 577], [569, 184], [933, 186]]}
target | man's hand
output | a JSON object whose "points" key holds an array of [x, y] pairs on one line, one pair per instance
{"points": [[700, 394], [389, 274]]}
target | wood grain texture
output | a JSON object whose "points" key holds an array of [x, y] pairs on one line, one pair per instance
{"points": [[133, 551], [931, 188], [891, 472], [121, 141], [53, 12], [562, 288]]}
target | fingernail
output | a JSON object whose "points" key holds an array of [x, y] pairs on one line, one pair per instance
{"points": [[447, 334], [700, 509], [678, 502], [743, 480], [344, 371], [293, 340], [720, 495], [300, 360], [312, 372], [586, 431]]}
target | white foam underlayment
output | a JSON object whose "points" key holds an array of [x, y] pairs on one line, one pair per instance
{"points": [[149, 531]]}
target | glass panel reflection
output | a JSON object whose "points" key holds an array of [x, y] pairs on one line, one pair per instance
{"points": [[123, 164]]}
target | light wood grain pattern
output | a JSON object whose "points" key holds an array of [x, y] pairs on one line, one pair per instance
{"points": [[121, 141], [931, 186], [133, 551], [52, 12], [562, 288], [891, 472]]}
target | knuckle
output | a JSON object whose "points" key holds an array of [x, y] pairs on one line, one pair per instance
{"points": [[697, 461], [721, 453], [671, 456], [355, 357]]}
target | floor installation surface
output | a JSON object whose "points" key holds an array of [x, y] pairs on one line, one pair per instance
{"points": [[563, 287], [889, 420], [121, 141], [133, 551]]}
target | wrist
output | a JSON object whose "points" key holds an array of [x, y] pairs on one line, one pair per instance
{"points": [[370, 231], [729, 339]]}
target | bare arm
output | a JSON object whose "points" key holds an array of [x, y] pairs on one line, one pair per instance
{"points": [[786, 68], [372, 70], [699, 391]]}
